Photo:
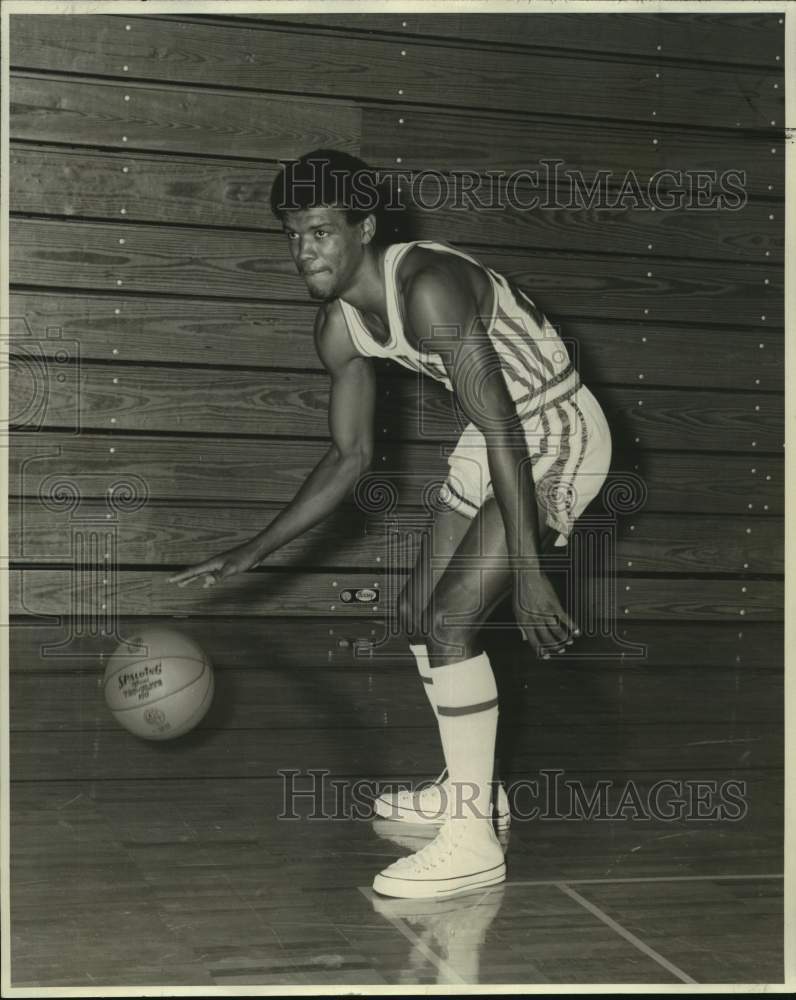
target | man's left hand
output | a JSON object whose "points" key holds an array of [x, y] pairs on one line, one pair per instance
{"points": [[539, 614]]}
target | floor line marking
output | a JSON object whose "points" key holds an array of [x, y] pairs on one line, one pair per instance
{"points": [[626, 934], [439, 964], [641, 878]]}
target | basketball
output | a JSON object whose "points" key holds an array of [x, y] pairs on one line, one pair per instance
{"points": [[159, 683]]}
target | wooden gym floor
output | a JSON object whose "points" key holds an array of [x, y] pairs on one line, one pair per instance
{"points": [[165, 864], [196, 883]]}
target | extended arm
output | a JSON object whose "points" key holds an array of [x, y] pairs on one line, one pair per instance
{"points": [[351, 402], [351, 406]]}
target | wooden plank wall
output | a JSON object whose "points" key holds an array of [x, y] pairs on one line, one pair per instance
{"points": [[167, 399]]}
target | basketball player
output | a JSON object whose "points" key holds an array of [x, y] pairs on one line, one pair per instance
{"points": [[536, 450]]}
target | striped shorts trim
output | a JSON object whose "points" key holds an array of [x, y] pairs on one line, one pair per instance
{"points": [[570, 460]]}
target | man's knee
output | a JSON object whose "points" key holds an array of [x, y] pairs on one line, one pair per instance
{"points": [[446, 631]]}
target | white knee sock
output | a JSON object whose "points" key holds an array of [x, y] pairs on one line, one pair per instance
{"points": [[420, 653], [466, 700]]}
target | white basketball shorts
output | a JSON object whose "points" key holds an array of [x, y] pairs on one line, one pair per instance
{"points": [[569, 444]]}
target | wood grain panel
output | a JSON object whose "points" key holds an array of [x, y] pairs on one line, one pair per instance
{"points": [[186, 190], [612, 352], [256, 265], [358, 699], [204, 192], [196, 400], [128, 592], [696, 600], [633, 229], [260, 126], [187, 331], [201, 400], [279, 335], [243, 471], [432, 139], [663, 418], [83, 591], [240, 124], [358, 643], [702, 544], [175, 533], [742, 39], [301, 62], [154, 259], [107, 755]]}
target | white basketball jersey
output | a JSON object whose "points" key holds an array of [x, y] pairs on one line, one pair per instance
{"points": [[534, 360]]}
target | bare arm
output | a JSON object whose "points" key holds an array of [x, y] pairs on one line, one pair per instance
{"points": [[437, 299], [351, 407]]}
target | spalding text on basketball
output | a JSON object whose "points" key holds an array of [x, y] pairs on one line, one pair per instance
{"points": [[141, 683]]}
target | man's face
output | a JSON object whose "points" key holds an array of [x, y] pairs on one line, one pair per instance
{"points": [[326, 249]]}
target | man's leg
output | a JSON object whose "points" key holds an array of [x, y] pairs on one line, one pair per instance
{"points": [[465, 854], [437, 545], [486, 536], [464, 688]]}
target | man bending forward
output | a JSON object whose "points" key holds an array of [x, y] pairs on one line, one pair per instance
{"points": [[535, 452]]}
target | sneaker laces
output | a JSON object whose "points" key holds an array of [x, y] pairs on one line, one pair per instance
{"points": [[431, 855], [433, 790]]}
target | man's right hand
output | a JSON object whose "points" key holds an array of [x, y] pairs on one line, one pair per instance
{"points": [[219, 567]]}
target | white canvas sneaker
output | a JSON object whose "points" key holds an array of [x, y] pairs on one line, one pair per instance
{"points": [[429, 804], [465, 855], [414, 836]]}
